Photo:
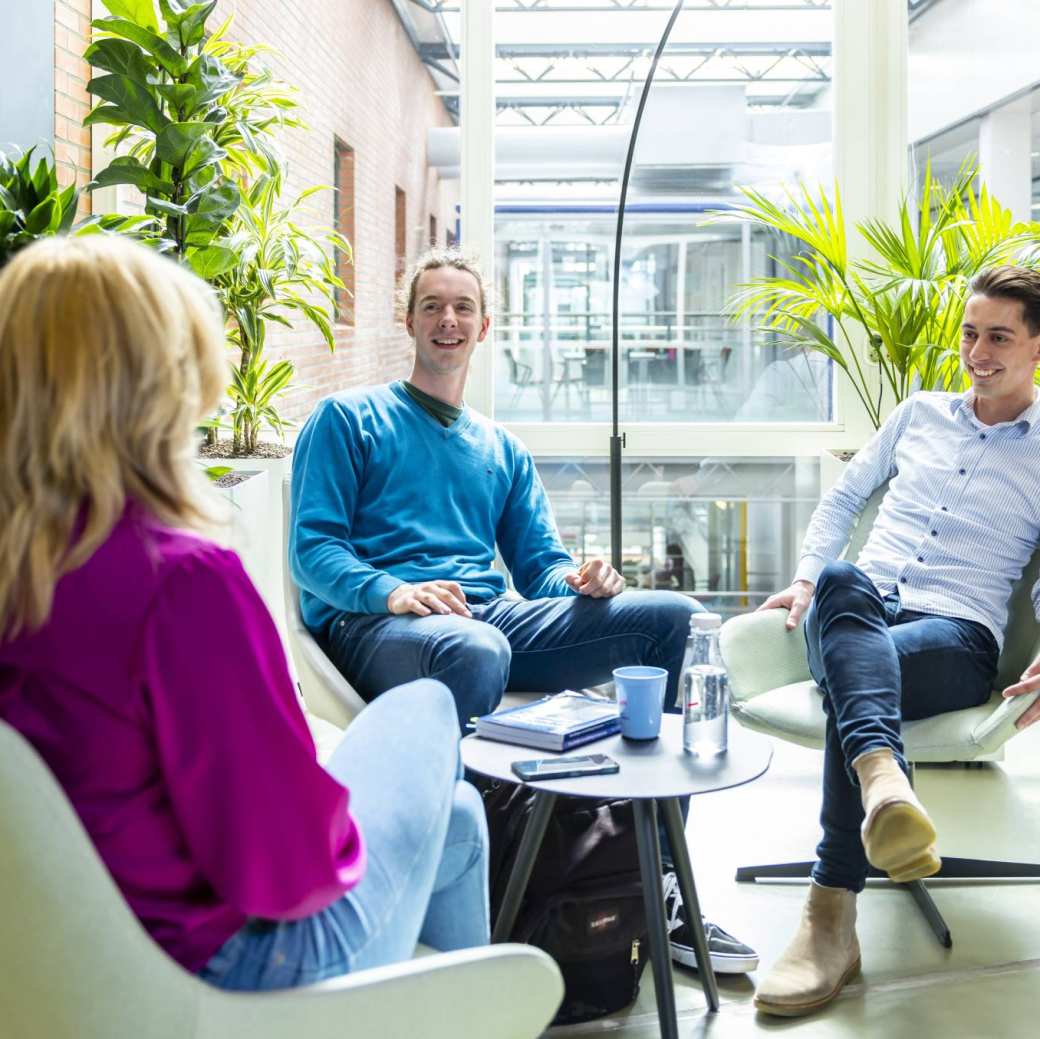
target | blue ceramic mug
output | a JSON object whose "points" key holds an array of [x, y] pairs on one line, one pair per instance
{"points": [[640, 698]]}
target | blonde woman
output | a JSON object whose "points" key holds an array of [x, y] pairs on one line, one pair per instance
{"points": [[138, 659]]}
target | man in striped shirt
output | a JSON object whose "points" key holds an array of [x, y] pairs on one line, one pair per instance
{"points": [[915, 626]]}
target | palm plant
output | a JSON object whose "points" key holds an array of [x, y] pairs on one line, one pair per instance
{"points": [[907, 299], [281, 268]]}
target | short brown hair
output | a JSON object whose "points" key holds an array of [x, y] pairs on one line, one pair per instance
{"points": [[1011, 282], [431, 261]]}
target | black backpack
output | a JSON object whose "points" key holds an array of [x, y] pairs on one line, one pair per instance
{"points": [[584, 902]]}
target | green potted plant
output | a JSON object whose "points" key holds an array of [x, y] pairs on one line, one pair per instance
{"points": [[195, 121], [32, 205], [905, 301], [282, 270]]}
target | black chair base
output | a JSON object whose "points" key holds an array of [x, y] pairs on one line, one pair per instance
{"points": [[952, 869]]}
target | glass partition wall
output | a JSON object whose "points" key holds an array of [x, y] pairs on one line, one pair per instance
{"points": [[741, 98], [683, 358]]}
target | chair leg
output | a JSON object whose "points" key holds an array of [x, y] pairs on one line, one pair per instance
{"points": [[952, 868], [776, 871], [922, 896], [987, 869]]}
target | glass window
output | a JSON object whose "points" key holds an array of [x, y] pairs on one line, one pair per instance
{"points": [[725, 530], [741, 98]]}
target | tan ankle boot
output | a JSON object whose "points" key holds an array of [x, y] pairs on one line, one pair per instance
{"points": [[898, 836], [822, 956]]}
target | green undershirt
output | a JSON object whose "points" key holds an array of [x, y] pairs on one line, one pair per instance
{"points": [[443, 412]]}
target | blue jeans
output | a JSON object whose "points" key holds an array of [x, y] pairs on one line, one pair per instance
{"points": [[878, 664], [538, 646], [426, 839]]}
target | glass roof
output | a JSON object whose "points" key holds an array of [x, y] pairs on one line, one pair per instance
{"points": [[581, 62]]}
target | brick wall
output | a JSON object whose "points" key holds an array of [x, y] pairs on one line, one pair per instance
{"points": [[71, 102], [360, 81]]}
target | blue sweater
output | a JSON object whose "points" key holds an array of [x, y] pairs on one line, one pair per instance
{"points": [[382, 494]]}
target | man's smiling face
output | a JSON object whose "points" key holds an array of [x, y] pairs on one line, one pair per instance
{"points": [[446, 321], [998, 351]]}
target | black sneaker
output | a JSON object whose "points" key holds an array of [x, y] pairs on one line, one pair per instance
{"points": [[728, 956]]}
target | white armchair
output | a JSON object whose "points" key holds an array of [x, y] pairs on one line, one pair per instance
{"points": [[326, 693], [773, 692], [76, 964]]}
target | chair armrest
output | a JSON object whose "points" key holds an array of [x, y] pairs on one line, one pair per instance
{"points": [[992, 733], [761, 654], [326, 692], [495, 992]]}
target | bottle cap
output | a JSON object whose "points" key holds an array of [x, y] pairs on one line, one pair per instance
{"points": [[705, 621]]}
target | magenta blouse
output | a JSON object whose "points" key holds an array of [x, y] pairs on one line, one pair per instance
{"points": [[158, 694]]}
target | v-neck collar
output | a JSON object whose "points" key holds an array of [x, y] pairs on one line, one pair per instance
{"points": [[461, 423]]}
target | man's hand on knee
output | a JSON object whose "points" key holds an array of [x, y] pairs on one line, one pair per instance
{"points": [[428, 597], [1029, 683], [598, 579], [795, 599]]}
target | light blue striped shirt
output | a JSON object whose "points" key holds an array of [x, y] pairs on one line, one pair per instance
{"points": [[960, 519]]}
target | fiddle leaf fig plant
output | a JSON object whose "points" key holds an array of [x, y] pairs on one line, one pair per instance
{"points": [[196, 118], [193, 120]]}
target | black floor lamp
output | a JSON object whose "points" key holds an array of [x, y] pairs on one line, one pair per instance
{"points": [[617, 438]]}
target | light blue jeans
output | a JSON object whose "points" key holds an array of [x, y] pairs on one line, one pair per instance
{"points": [[426, 836]]}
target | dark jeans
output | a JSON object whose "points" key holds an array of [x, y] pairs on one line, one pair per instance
{"points": [[538, 646], [878, 664]]}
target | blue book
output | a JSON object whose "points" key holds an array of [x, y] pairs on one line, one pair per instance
{"points": [[557, 722]]}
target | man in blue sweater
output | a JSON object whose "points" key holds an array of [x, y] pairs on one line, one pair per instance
{"points": [[400, 495]]}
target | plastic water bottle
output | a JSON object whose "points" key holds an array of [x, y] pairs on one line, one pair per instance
{"points": [[705, 689], [702, 644]]}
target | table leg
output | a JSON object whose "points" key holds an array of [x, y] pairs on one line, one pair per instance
{"points": [[673, 826], [660, 956], [531, 841]]}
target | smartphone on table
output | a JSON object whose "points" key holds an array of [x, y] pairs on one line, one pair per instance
{"points": [[564, 768]]}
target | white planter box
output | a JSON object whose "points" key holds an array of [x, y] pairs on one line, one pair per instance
{"points": [[256, 525], [832, 465]]}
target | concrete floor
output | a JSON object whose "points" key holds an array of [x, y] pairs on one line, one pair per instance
{"points": [[987, 985]]}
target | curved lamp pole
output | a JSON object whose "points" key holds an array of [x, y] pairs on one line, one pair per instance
{"points": [[617, 440]]}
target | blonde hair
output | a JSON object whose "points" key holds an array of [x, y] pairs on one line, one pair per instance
{"points": [[109, 357]]}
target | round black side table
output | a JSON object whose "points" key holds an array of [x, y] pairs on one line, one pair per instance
{"points": [[654, 774]]}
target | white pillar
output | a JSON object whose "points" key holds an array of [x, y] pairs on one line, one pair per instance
{"points": [[870, 136], [1005, 155], [477, 127]]}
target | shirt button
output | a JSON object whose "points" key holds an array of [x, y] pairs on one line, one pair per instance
{"points": [[920, 559], [944, 509], [982, 436], [935, 533], [902, 580], [962, 471]]}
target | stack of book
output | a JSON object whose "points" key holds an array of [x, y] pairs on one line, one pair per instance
{"points": [[557, 722]]}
